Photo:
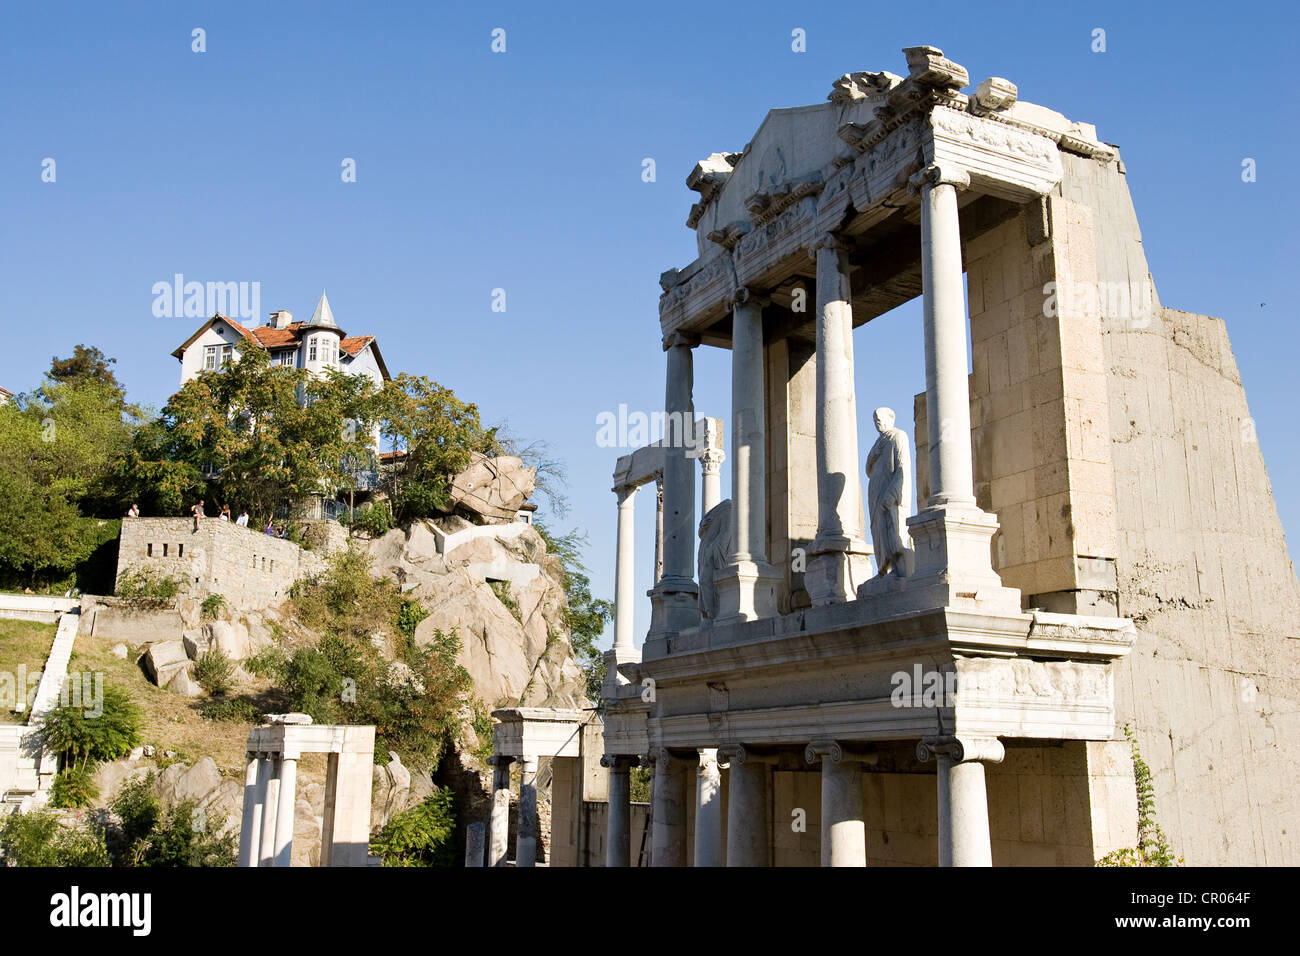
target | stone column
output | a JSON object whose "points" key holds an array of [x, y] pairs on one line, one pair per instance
{"points": [[499, 823], [270, 804], [618, 838], [838, 556], [251, 823], [526, 840], [844, 834], [285, 801], [675, 599], [748, 829], [625, 574], [668, 812], [659, 529], [951, 535], [708, 810], [963, 798], [711, 460], [747, 585]]}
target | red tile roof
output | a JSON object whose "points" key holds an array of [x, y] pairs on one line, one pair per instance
{"points": [[289, 337]]}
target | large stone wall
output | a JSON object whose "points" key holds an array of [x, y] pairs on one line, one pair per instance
{"points": [[250, 569]]}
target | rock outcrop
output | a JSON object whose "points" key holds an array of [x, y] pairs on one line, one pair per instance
{"points": [[493, 488]]}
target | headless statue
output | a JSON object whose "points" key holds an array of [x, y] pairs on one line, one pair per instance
{"points": [[715, 552], [888, 491]]}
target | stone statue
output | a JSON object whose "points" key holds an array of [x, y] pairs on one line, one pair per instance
{"points": [[888, 491], [715, 551]]}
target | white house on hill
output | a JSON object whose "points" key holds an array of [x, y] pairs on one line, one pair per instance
{"points": [[314, 345]]}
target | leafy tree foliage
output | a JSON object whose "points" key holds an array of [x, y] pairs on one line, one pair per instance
{"points": [[39, 839], [421, 835], [82, 738], [586, 615]]}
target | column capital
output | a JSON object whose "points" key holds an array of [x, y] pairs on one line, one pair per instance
{"points": [[744, 295], [935, 175], [740, 755], [831, 241], [711, 460], [834, 752], [501, 761], [960, 749], [675, 339], [625, 493], [620, 762]]}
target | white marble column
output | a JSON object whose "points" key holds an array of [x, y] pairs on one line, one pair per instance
{"points": [[675, 599], [711, 460], [286, 801], [838, 556], [526, 839], [251, 823], [843, 831], [950, 534], [618, 837], [947, 389], [963, 797], [748, 828], [708, 810], [668, 811], [625, 572], [747, 585], [270, 804], [499, 822]]}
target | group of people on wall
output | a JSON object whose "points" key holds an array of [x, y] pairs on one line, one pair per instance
{"points": [[197, 512]]}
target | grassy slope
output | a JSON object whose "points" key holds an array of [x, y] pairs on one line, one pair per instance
{"points": [[26, 643]]}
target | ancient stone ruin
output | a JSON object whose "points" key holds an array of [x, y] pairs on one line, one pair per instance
{"points": [[1096, 543]]}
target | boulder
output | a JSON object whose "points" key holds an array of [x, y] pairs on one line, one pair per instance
{"points": [[196, 641], [180, 782], [164, 660], [231, 637], [184, 684], [390, 791], [493, 488], [120, 651]]}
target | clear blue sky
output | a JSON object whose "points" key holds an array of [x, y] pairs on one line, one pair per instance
{"points": [[522, 171]]}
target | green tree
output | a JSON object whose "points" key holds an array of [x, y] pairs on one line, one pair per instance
{"points": [[82, 737], [421, 835], [39, 839], [586, 615], [436, 435]]}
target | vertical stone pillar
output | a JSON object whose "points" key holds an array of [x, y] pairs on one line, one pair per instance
{"points": [[251, 823], [659, 529], [675, 599], [526, 840], [951, 535], [474, 844], [270, 804], [668, 813], [963, 797], [838, 556], [285, 801], [748, 827], [747, 585], [499, 822], [624, 581], [708, 810], [711, 460], [844, 833], [618, 837]]}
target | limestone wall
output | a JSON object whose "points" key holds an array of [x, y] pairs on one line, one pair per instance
{"points": [[249, 568]]}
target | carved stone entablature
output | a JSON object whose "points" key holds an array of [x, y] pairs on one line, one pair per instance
{"points": [[710, 174], [885, 168], [759, 254], [994, 94], [729, 235], [1000, 159], [695, 215], [863, 85], [928, 66], [699, 288], [767, 205]]}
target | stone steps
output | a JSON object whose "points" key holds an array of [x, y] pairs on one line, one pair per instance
{"points": [[56, 667]]}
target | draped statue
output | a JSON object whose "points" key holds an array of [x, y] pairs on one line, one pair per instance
{"points": [[888, 494], [716, 548]]}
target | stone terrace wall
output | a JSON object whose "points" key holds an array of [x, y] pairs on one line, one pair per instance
{"points": [[250, 569]]}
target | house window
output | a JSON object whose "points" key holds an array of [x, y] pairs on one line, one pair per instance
{"points": [[311, 349], [227, 352], [214, 356], [210, 358]]}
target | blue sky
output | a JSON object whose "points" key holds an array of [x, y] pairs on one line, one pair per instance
{"points": [[522, 171]]}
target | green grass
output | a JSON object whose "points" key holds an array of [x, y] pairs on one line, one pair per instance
{"points": [[23, 643]]}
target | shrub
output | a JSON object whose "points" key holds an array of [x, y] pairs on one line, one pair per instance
{"points": [[82, 739], [38, 839], [269, 663], [73, 788], [420, 836], [214, 671], [410, 616], [212, 605], [374, 521], [181, 835], [1152, 845], [146, 587]]}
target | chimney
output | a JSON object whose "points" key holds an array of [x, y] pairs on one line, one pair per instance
{"points": [[281, 319]]}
